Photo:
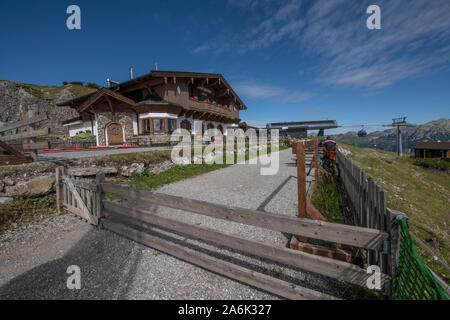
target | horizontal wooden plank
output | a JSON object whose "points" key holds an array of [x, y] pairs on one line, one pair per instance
{"points": [[253, 278], [340, 233], [36, 145], [27, 135], [325, 266], [10, 149], [22, 123], [84, 185], [13, 160]]}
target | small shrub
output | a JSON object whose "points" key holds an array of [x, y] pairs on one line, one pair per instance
{"points": [[84, 137], [77, 82], [65, 83], [92, 85], [433, 163]]}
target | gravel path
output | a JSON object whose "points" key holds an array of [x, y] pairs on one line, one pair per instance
{"points": [[34, 261]]}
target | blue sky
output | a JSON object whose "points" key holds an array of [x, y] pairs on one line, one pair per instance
{"points": [[287, 60]]}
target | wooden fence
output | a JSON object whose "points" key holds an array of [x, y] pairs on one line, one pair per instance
{"points": [[79, 196], [369, 206], [87, 200], [27, 139]]}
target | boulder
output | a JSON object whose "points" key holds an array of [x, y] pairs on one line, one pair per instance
{"points": [[35, 187], [91, 171], [166, 165], [8, 181], [128, 171], [6, 200]]}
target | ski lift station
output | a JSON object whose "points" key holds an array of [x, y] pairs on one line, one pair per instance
{"points": [[299, 129]]}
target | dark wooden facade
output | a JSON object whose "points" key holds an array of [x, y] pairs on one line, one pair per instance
{"points": [[432, 150], [160, 102]]}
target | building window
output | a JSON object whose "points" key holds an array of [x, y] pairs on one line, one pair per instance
{"points": [[158, 125], [220, 128], [171, 124], [146, 126], [185, 124]]}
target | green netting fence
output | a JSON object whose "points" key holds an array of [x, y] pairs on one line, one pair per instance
{"points": [[414, 279]]}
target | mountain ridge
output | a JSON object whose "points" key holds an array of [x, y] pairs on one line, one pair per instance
{"points": [[436, 130]]}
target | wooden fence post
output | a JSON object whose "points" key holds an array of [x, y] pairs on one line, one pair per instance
{"points": [[99, 195], [316, 160], [58, 186], [301, 180]]}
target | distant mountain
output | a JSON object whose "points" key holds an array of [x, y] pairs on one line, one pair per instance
{"points": [[438, 130]]}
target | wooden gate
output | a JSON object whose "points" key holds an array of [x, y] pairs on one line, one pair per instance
{"points": [[79, 196]]}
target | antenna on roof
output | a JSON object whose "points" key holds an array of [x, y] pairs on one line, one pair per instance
{"points": [[111, 82], [131, 73]]}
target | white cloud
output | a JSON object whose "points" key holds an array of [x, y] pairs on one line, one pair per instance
{"points": [[256, 91], [200, 49], [256, 123], [314, 110], [414, 39]]}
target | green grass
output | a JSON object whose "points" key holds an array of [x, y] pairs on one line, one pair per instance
{"points": [[422, 194], [52, 92], [149, 181], [435, 163], [123, 159], [327, 200], [84, 137], [25, 210]]}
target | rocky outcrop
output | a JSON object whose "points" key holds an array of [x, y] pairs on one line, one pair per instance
{"points": [[32, 188], [160, 167], [17, 103], [128, 171], [6, 200], [91, 171]]}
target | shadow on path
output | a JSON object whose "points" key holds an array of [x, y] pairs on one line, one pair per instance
{"points": [[107, 261]]}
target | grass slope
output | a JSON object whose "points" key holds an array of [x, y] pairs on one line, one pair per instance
{"points": [[52, 92], [422, 194]]}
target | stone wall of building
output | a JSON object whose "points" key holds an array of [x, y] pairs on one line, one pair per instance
{"points": [[106, 118]]}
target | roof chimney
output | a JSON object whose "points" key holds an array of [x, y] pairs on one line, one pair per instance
{"points": [[131, 73]]}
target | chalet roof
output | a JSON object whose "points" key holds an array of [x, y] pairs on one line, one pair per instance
{"points": [[72, 121], [158, 77], [433, 145], [309, 125], [105, 95]]}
